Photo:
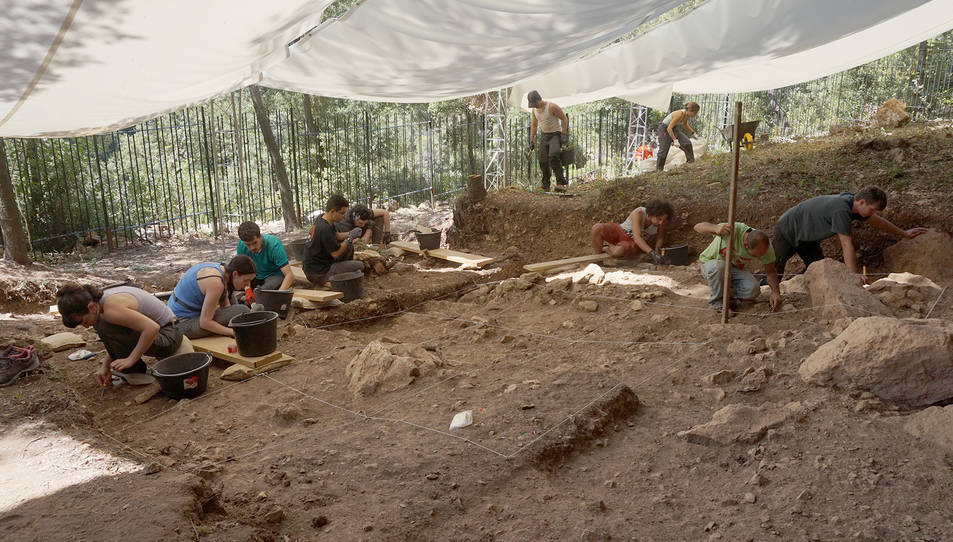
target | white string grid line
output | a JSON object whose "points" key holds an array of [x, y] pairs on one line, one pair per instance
{"points": [[363, 417]]}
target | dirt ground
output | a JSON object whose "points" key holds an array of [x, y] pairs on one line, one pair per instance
{"points": [[578, 390]]}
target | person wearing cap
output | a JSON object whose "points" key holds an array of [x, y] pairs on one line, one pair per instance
{"points": [[554, 125]]}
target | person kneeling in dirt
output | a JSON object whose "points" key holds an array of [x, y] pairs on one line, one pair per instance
{"points": [[202, 298], [130, 322], [751, 246], [374, 223], [627, 240], [271, 262], [327, 252], [801, 228]]}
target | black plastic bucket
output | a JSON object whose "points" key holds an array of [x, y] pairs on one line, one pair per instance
{"points": [[297, 249], [256, 333], [278, 301], [183, 375], [679, 255], [350, 284], [429, 241]]}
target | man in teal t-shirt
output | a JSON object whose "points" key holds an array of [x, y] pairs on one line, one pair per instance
{"points": [[274, 272], [751, 247]]}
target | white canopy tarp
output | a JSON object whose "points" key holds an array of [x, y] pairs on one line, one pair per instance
{"points": [[730, 46], [88, 66], [99, 65], [430, 50]]}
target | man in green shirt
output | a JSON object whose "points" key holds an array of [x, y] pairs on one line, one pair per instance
{"points": [[751, 247], [274, 271]]}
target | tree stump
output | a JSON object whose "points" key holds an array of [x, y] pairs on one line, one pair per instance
{"points": [[476, 188]]}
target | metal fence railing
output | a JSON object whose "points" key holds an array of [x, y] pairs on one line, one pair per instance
{"points": [[162, 177]]}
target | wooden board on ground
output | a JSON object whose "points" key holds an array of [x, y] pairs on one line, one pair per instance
{"points": [[299, 274], [546, 266], [218, 347], [318, 296], [241, 372], [444, 254]]}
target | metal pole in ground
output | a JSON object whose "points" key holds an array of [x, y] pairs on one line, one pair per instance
{"points": [[733, 195]]}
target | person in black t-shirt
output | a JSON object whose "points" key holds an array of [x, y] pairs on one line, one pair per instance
{"points": [[801, 228], [328, 252]]}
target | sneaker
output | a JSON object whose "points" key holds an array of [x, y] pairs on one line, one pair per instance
{"points": [[560, 188], [14, 366]]}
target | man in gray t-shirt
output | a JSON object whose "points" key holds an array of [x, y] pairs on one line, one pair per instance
{"points": [[801, 228]]}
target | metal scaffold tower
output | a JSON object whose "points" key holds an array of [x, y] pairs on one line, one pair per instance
{"points": [[638, 116], [494, 139]]}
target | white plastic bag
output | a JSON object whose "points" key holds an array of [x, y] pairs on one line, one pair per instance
{"points": [[462, 419]]}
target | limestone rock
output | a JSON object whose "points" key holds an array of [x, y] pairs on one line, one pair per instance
{"points": [[892, 114], [388, 367], [738, 423], [589, 305], [720, 377], [753, 379], [532, 277], [237, 372], [730, 332], [63, 341], [840, 293], [907, 361], [930, 255], [793, 285], [934, 424], [905, 291]]}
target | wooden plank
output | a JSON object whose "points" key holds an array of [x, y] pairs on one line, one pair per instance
{"points": [[444, 254], [299, 275], [218, 346], [546, 266], [248, 372], [318, 296]]}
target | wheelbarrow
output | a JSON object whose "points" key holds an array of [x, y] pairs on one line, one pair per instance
{"points": [[745, 134]]}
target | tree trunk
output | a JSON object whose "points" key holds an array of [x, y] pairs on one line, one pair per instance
{"points": [[917, 104], [313, 138], [14, 243], [281, 174]]}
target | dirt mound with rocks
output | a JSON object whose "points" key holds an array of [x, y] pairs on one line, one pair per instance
{"points": [[908, 361], [930, 255], [840, 293]]}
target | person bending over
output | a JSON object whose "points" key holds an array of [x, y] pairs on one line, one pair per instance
{"points": [[751, 248], [130, 322], [628, 239], [202, 298], [268, 253], [801, 228], [328, 252], [675, 127], [374, 224]]}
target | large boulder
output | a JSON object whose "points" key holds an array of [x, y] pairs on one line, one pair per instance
{"points": [[840, 293], [908, 362], [388, 367], [930, 255], [892, 114], [905, 291], [739, 423], [934, 424]]}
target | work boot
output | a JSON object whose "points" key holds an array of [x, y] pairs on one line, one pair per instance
{"points": [[560, 188], [15, 362]]}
